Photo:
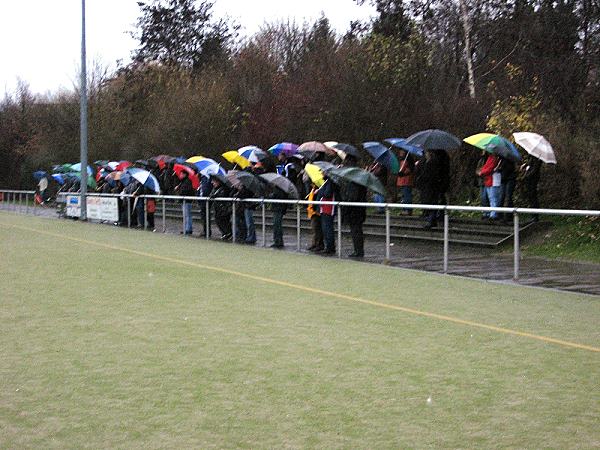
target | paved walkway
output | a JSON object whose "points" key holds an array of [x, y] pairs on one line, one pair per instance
{"points": [[465, 261]]}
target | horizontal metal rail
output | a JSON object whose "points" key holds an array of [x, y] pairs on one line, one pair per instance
{"points": [[19, 199]]}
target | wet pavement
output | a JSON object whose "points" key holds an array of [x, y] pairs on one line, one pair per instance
{"points": [[483, 263]]}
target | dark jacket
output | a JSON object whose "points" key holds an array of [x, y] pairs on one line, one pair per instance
{"points": [[352, 192], [185, 188], [222, 209]]}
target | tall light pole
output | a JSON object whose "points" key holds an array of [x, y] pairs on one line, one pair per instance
{"points": [[83, 133]]}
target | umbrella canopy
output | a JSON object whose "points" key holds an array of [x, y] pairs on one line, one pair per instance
{"points": [[323, 165], [63, 168], [163, 160], [496, 144], [195, 159], [191, 171], [434, 140], [536, 145], [208, 167], [39, 174], [287, 148], [101, 162], [239, 179], [112, 164], [401, 143], [112, 177], [235, 158], [281, 183], [145, 178], [77, 168], [91, 182], [313, 147], [344, 150], [122, 165], [253, 154], [358, 176], [315, 174], [59, 178], [383, 155]]}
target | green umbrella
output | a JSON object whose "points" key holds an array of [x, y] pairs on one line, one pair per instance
{"points": [[90, 180], [358, 176]]}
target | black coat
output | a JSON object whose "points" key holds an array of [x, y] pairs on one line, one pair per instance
{"points": [[352, 192]]}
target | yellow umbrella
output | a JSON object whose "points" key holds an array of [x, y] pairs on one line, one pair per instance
{"points": [[315, 174], [235, 158], [195, 159]]}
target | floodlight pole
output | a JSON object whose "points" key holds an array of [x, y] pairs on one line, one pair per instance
{"points": [[83, 134]]}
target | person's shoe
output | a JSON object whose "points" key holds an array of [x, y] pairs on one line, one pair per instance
{"points": [[356, 255], [226, 237], [250, 242], [276, 246], [330, 251]]}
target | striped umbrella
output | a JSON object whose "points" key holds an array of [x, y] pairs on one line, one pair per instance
{"points": [[494, 143], [252, 153], [208, 167]]}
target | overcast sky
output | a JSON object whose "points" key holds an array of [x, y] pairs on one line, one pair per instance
{"points": [[41, 39]]}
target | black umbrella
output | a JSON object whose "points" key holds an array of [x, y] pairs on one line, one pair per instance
{"points": [[358, 176], [346, 149], [239, 179], [434, 140], [281, 183]]}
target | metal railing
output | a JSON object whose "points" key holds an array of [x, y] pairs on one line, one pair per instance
{"points": [[18, 201]]}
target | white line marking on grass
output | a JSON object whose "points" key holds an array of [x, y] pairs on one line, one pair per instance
{"points": [[332, 294]]}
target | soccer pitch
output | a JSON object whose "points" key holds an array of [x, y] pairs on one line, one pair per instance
{"points": [[121, 338]]}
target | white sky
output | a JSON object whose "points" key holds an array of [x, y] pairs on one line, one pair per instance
{"points": [[40, 40]]}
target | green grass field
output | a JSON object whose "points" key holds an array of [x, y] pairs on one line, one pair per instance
{"points": [[118, 338]]}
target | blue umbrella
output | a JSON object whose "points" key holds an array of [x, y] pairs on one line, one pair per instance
{"points": [[145, 178], [59, 178], [401, 143], [39, 174], [287, 148], [434, 140], [252, 153], [383, 155]]}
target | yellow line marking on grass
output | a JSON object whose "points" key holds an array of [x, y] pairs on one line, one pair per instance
{"points": [[316, 291]]}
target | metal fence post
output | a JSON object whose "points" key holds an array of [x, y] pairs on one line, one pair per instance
{"points": [[517, 250], [20, 202], [128, 212], [145, 213], [164, 213], [339, 233], [233, 222], [387, 234], [26, 203], [446, 232], [264, 224], [207, 219], [298, 226]]}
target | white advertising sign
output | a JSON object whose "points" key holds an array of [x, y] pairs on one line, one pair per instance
{"points": [[98, 208]]}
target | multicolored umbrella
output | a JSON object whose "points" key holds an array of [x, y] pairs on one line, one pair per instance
{"points": [[401, 143], [494, 143], [434, 140], [536, 145], [253, 154], [59, 178], [145, 178], [123, 165], [281, 183], [77, 168], [287, 148], [383, 155], [235, 158], [358, 176]]}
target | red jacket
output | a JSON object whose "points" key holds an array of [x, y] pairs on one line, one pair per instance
{"points": [[488, 170]]}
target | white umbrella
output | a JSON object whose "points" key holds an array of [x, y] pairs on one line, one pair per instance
{"points": [[536, 145]]}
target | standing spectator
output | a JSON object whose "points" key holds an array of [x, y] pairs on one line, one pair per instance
{"points": [[41, 190], [355, 216], [484, 201], [315, 221], [205, 191], [427, 179], [222, 209], [381, 172], [279, 210], [326, 193], [492, 179], [185, 189], [406, 178], [509, 179], [531, 177]]}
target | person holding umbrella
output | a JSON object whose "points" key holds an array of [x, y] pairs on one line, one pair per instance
{"points": [[222, 209], [406, 178], [326, 193], [355, 216], [185, 189], [492, 179], [531, 176]]}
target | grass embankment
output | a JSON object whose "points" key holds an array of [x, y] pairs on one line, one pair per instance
{"points": [[571, 238], [118, 338]]}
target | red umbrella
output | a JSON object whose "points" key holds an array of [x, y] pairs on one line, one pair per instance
{"points": [[123, 165], [180, 168], [163, 160]]}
